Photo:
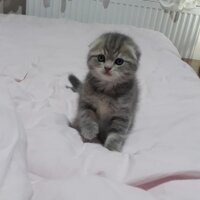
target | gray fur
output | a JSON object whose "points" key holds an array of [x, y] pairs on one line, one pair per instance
{"points": [[108, 100], [76, 84]]}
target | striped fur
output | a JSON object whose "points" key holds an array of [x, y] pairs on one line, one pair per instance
{"points": [[108, 99]]}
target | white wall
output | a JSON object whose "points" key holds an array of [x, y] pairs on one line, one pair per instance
{"points": [[197, 50]]}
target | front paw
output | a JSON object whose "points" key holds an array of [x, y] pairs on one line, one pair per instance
{"points": [[114, 142], [90, 130]]}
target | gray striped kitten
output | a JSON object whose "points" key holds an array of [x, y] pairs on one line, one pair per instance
{"points": [[108, 97]]}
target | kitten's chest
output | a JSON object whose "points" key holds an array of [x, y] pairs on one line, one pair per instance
{"points": [[105, 106]]}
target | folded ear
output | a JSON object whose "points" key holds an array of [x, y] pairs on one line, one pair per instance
{"points": [[138, 54], [94, 43], [135, 52]]}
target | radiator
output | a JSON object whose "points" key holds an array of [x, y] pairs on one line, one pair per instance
{"points": [[182, 27]]}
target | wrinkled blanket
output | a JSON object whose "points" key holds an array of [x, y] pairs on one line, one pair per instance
{"points": [[42, 158]]}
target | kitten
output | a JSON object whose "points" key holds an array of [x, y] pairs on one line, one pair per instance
{"points": [[108, 97]]}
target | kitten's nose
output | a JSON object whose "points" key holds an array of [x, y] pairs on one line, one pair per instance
{"points": [[107, 68]]}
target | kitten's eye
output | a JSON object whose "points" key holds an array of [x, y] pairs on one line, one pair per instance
{"points": [[119, 61], [101, 58]]}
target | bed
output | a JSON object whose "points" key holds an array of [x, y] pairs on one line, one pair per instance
{"points": [[42, 158]]}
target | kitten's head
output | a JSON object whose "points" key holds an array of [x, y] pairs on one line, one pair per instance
{"points": [[113, 57]]}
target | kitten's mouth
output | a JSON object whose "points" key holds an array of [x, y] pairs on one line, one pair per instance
{"points": [[107, 73]]}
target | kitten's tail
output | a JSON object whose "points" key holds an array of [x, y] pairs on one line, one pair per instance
{"points": [[76, 83]]}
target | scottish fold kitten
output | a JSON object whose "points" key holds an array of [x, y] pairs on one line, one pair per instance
{"points": [[108, 96]]}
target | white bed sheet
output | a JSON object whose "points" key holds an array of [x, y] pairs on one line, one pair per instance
{"points": [[161, 156], [14, 181]]}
